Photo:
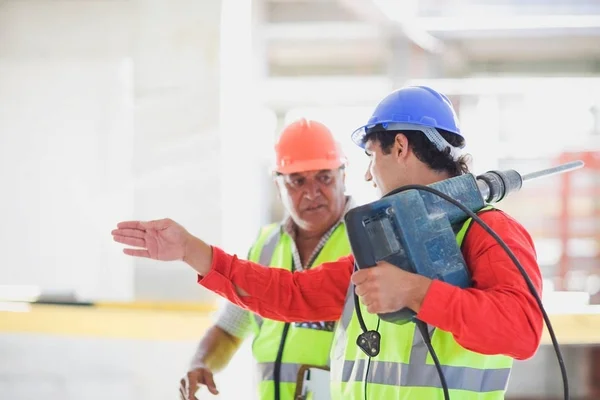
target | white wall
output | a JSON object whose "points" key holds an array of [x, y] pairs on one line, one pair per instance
{"points": [[66, 174], [66, 147], [109, 111]]}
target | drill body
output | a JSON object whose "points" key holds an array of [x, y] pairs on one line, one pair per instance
{"points": [[416, 230]]}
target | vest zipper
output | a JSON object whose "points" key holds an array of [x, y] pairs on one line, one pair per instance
{"points": [[277, 367], [286, 328]]}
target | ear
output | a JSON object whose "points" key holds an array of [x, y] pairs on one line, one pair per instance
{"points": [[400, 149]]}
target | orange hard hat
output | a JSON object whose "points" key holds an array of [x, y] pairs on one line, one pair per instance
{"points": [[306, 145]]}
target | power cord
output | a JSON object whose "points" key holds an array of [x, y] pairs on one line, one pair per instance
{"points": [[371, 337], [438, 366], [423, 327]]}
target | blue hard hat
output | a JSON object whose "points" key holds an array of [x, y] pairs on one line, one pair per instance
{"points": [[411, 108]]}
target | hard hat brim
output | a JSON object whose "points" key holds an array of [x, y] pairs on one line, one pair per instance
{"points": [[312, 165], [359, 134]]}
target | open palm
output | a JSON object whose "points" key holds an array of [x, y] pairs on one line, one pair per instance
{"points": [[163, 239]]}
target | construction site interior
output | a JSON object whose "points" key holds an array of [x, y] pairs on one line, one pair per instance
{"points": [[144, 109]]}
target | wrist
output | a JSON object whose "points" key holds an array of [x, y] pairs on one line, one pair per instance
{"points": [[419, 291], [198, 364], [198, 255]]}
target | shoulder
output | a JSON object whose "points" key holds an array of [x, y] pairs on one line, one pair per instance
{"points": [[511, 231], [501, 219], [267, 230], [264, 233], [270, 227], [490, 263]]}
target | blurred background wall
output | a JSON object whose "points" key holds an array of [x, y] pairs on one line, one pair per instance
{"points": [[143, 109]]}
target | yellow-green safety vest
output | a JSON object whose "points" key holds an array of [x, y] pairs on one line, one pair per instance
{"points": [[302, 343], [404, 369]]}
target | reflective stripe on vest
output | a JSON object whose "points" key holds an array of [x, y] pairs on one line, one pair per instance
{"points": [[288, 372], [403, 371], [269, 247], [264, 258], [303, 345], [418, 373]]}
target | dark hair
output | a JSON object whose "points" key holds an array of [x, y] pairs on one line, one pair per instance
{"points": [[424, 150]]}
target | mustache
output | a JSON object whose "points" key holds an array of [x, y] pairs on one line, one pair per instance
{"points": [[312, 206]]}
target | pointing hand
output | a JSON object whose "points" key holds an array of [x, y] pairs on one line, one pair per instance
{"points": [[162, 239]]}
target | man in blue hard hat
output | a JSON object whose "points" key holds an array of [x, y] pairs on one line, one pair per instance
{"points": [[413, 137]]}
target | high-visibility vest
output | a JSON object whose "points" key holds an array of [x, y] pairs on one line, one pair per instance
{"points": [[303, 343], [404, 369]]}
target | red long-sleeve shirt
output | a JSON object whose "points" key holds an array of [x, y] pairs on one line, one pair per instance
{"points": [[498, 315]]}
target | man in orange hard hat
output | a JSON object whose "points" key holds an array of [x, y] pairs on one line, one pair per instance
{"points": [[310, 178]]}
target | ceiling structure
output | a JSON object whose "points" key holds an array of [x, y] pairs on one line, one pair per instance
{"points": [[311, 43]]}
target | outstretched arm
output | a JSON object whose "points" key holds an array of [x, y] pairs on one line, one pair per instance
{"points": [[317, 294], [314, 295]]}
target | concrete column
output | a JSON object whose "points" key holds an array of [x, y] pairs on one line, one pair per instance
{"points": [[246, 127], [433, 65], [480, 123], [177, 154], [399, 63], [409, 61]]}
